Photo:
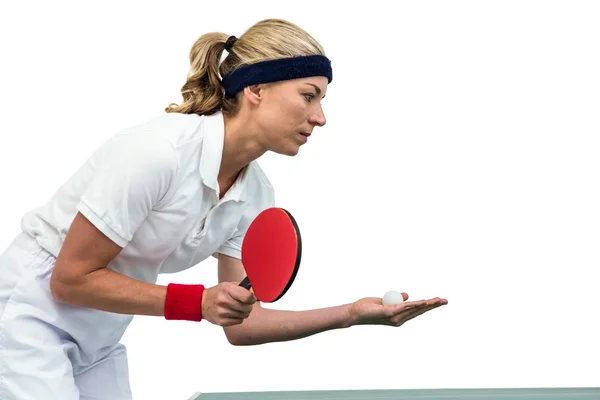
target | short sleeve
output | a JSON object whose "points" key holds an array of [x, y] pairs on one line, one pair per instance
{"points": [[131, 174], [233, 247]]}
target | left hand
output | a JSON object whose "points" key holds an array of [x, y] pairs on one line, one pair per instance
{"points": [[372, 311]]}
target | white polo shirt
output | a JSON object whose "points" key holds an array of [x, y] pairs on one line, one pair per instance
{"points": [[152, 189]]}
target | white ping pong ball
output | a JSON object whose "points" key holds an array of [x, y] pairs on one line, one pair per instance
{"points": [[393, 297]]}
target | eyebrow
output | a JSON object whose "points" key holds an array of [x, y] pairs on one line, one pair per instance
{"points": [[316, 87]]}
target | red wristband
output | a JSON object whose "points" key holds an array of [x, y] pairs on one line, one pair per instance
{"points": [[184, 302]]}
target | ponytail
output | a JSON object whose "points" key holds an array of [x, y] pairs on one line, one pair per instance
{"points": [[202, 92]]}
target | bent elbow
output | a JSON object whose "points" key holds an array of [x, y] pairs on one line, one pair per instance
{"points": [[237, 338], [234, 340], [59, 290]]}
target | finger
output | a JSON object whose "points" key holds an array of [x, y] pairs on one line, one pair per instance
{"points": [[413, 309], [232, 300], [233, 315], [227, 302], [237, 307], [435, 302], [242, 295], [409, 308], [441, 302], [417, 304], [415, 313], [409, 305], [231, 311]]}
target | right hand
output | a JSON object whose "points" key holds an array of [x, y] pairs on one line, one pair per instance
{"points": [[227, 304]]}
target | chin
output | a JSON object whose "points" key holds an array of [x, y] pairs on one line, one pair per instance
{"points": [[289, 151], [293, 151]]}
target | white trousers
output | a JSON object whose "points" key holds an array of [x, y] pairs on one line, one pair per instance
{"points": [[44, 353]]}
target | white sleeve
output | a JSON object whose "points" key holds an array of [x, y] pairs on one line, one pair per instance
{"points": [[233, 247], [132, 173]]}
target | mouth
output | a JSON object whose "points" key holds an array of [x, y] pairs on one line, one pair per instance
{"points": [[305, 135]]}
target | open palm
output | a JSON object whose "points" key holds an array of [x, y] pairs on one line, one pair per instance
{"points": [[372, 311]]}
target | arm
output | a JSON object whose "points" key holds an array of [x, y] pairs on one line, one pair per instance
{"points": [[80, 276], [130, 177], [265, 325]]}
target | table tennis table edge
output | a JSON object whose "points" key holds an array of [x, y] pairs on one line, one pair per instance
{"points": [[583, 393]]}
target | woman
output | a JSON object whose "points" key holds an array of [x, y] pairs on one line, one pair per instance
{"points": [[161, 197]]}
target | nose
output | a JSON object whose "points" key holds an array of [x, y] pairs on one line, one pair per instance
{"points": [[318, 117]]}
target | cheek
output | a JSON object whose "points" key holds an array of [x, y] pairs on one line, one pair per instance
{"points": [[295, 112], [285, 114]]}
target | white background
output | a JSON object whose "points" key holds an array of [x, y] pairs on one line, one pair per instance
{"points": [[461, 159]]}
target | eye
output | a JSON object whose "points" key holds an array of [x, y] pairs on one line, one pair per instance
{"points": [[308, 96]]}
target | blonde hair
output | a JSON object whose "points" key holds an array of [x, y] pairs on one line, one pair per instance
{"points": [[269, 39]]}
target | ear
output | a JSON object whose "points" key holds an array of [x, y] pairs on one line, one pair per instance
{"points": [[253, 93]]}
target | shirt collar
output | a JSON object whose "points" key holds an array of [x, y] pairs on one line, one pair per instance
{"points": [[210, 160]]}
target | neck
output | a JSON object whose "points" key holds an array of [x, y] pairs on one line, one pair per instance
{"points": [[241, 146]]}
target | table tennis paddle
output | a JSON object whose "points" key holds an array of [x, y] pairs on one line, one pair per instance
{"points": [[271, 252]]}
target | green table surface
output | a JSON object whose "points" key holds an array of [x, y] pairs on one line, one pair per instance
{"points": [[410, 394]]}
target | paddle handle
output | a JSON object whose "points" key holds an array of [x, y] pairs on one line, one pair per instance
{"points": [[245, 283]]}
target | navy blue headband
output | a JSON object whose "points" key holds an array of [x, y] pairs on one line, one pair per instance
{"points": [[276, 70]]}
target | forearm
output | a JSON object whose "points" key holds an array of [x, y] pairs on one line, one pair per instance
{"points": [[266, 325], [111, 291]]}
